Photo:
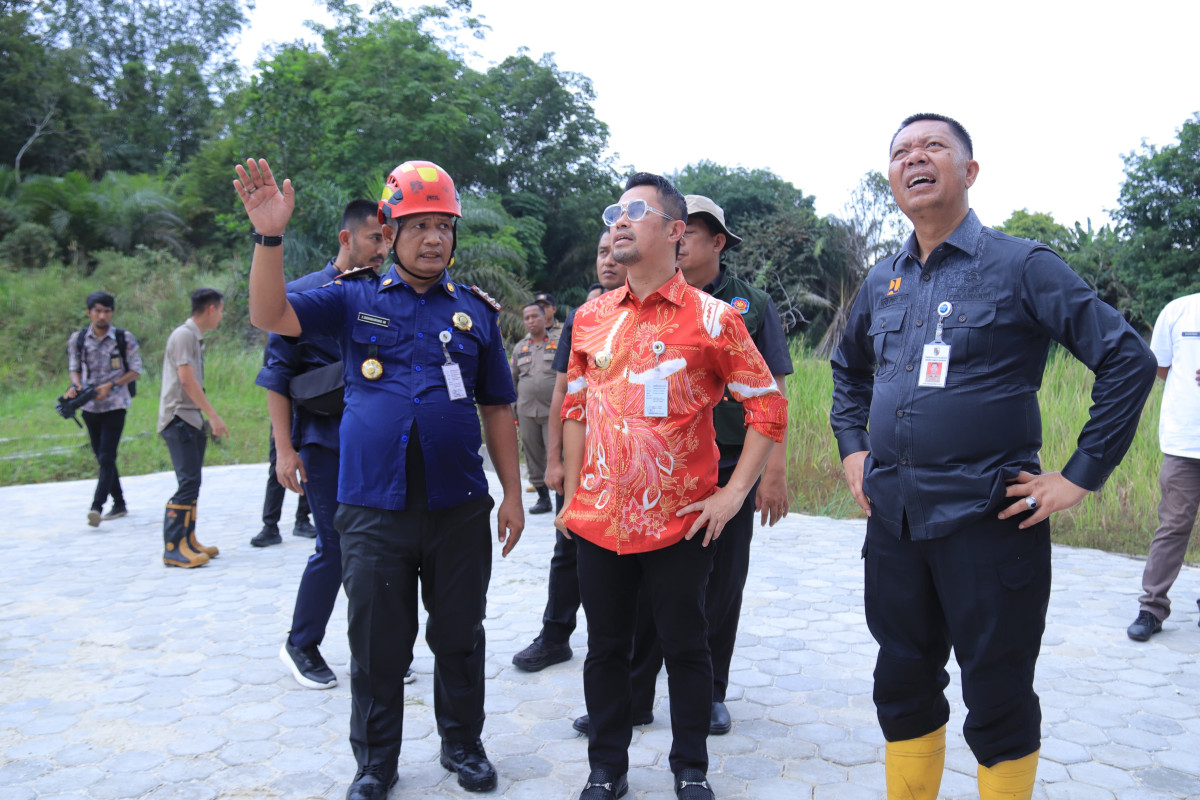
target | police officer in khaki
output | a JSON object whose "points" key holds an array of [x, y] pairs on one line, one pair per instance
{"points": [[533, 376]]}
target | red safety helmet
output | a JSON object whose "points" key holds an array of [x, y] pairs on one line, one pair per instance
{"points": [[418, 187]]}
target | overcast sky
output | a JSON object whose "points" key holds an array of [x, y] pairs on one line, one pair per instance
{"points": [[1053, 93]]}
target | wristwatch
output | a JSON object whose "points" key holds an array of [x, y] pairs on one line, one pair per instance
{"points": [[267, 241]]}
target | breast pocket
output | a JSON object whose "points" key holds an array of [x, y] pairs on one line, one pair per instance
{"points": [[969, 331], [886, 328], [372, 341]]}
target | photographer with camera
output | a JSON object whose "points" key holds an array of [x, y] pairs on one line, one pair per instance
{"points": [[105, 357]]}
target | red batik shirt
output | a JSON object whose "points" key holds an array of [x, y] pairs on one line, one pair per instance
{"points": [[639, 470]]}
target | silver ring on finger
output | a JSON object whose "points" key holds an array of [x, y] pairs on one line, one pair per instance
{"points": [[1031, 502]]}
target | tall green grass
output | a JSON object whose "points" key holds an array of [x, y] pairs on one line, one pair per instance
{"points": [[1121, 517]]}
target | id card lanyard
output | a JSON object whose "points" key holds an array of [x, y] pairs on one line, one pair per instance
{"points": [[935, 362], [453, 375], [656, 388]]}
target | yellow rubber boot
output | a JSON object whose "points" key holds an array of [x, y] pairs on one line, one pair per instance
{"points": [[1009, 780], [914, 766]]}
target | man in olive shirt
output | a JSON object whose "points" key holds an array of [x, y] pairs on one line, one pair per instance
{"points": [[533, 376], [182, 407]]}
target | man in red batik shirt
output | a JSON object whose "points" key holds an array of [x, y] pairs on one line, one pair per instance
{"points": [[648, 362]]}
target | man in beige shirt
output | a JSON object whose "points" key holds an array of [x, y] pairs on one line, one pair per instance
{"points": [[182, 407]]}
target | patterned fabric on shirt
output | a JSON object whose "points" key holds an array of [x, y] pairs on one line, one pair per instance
{"points": [[638, 470]]}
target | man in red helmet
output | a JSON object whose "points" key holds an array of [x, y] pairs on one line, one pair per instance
{"points": [[424, 359]]}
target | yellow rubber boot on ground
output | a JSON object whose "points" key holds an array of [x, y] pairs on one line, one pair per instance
{"points": [[914, 766], [1009, 780]]}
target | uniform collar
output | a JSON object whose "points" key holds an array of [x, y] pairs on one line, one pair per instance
{"points": [[965, 237], [392, 279], [331, 271], [674, 290]]}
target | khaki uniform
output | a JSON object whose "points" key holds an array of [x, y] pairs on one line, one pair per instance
{"points": [[534, 376]]}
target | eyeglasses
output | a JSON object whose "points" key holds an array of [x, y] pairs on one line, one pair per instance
{"points": [[634, 209]]}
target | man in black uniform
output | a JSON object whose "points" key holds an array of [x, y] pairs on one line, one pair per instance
{"points": [[423, 360], [552, 646], [936, 416], [705, 241]]}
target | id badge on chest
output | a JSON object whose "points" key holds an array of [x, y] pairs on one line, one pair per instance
{"points": [[935, 363], [451, 371], [656, 398], [935, 360]]}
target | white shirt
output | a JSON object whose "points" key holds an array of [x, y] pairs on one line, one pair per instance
{"points": [[1176, 344]]}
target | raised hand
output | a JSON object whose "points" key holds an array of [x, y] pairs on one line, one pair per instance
{"points": [[268, 206]]}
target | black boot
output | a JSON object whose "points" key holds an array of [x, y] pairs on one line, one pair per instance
{"points": [[542, 506]]}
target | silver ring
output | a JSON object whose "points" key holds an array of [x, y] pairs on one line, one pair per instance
{"points": [[1031, 502]]}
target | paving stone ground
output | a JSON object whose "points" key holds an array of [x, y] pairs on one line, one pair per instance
{"points": [[121, 678]]}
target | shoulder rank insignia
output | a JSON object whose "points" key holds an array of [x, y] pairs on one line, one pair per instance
{"points": [[361, 272], [486, 298]]}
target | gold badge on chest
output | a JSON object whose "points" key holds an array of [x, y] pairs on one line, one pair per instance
{"points": [[461, 321], [372, 370]]}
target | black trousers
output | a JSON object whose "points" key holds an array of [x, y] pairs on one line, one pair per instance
{"points": [[384, 554], [104, 431], [984, 592], [186, 446], [273, 498], [674, 579], [722, 608]]}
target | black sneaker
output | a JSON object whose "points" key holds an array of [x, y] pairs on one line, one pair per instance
{"points": [[1145, 626], [475, 772], [116, 513], [541, 654], [304, 528], [94, 518], [307, 666], [268, 536]]}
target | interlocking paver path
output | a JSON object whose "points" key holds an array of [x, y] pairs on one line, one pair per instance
{"points": [[120, 677]]}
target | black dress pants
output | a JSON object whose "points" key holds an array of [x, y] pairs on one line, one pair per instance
{"points": [[674, 579], [983, 591], [722, 607], [384, 555], [104, 431]]}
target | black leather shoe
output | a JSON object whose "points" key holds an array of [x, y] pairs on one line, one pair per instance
{"points": [[1145, 626], [719, 722], [304, 528], [602, 786], [690, 784], [475, 772], [372, 782], [581, 724], [543, 505], [541, 654], [268, 536]]}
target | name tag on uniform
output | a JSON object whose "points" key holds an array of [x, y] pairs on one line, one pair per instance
{"points": [[454, 381], [656, 398], [935, 363], [372, 319]]}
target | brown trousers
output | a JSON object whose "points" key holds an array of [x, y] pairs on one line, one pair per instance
{"points": [[1179, 481], [535, 434]]}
